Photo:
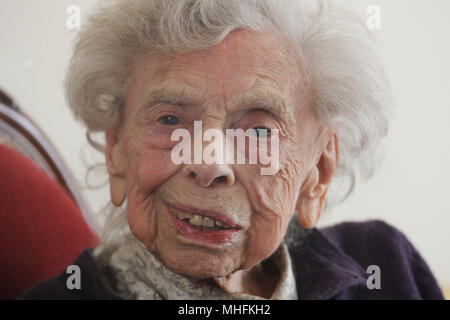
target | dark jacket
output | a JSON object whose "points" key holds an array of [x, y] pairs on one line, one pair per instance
{"points": [[331, 263]]}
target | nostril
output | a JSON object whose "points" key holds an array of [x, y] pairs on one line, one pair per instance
{"points": [[192, 175], [209, 176], [221, 179]]}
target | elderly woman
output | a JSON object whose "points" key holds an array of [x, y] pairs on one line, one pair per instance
{"points": [[298, 76]]}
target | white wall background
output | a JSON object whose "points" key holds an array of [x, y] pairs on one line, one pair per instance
{"points": [[410, 191]]}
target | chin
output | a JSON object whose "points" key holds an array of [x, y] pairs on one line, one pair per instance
{"points": [[198, 264]]}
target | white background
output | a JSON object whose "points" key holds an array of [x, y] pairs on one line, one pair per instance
{"points": [[411, 190]]}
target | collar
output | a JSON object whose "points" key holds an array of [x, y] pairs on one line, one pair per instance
{"points": [[135, 273]]}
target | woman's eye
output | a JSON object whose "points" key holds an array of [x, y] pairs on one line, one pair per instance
{"points": [[262, 132], [169, 120]]}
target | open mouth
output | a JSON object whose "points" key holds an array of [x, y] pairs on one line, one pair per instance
{"points": [[201, 226], [201, 222]]}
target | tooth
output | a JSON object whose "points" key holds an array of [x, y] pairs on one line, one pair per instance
{"points": [[208, 222], [218, 223], [182, 215], [186, 215], [196, 220], [225, 227]]}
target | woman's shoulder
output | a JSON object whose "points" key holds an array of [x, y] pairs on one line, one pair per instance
{"points": [[362, 236], [80, 281], [374, 240], [384, 255]]}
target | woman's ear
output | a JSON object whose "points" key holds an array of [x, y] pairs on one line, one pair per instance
{"points": [[116, 164], [315, 187]]}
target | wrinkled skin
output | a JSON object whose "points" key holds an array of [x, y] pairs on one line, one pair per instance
{"points": [[249, 80]]}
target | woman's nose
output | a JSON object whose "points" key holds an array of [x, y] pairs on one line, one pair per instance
{"points": [[210, 175]]}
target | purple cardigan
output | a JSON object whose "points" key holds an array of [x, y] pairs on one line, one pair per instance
{"points": [[330, 264]]}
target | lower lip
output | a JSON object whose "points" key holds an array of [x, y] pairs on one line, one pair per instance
{"points": [[208, 236]]}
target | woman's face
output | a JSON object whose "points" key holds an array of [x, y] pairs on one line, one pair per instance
{"points": [[250, 80]]}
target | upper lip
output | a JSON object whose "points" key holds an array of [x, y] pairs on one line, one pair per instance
{"points": [[223, 218]]}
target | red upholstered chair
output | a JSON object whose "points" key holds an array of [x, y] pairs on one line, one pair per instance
{"points": [[42, 229]]}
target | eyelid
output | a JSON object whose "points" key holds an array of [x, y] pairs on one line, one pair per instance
{"points": [[154, 106], [166, 110], [262, 109], [175, 103], [255, 110], [271, 123]]}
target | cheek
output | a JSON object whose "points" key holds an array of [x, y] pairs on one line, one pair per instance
{"points": [[273, 200], [272, 211], [149, 168], [150, 163], [152, 168]]}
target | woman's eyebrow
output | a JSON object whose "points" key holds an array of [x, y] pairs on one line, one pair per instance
{"points": [[179, 97], [265, 99]]}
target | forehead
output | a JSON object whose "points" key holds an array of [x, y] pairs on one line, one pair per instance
{"points": [[243, 61]]}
